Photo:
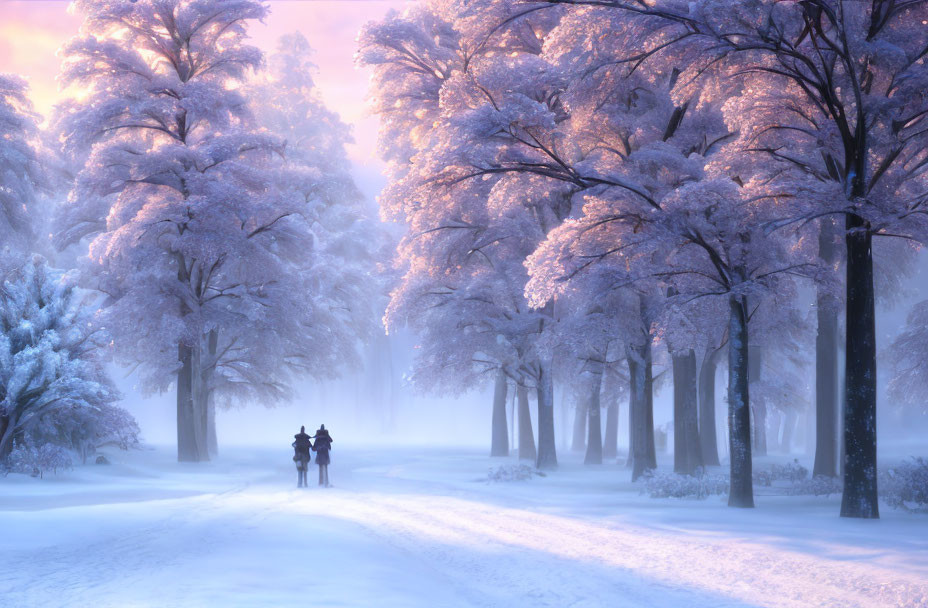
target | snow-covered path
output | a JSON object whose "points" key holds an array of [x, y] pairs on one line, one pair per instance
{"points": [[421, 531]]}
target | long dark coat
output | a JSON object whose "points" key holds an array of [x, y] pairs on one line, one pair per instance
{"points": [[322, 446], [302, 444]]}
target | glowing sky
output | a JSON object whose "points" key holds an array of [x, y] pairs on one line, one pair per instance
{"points": [[31, 31]]}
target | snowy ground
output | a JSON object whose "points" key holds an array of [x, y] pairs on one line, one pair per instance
{"points": [[419, 528]]}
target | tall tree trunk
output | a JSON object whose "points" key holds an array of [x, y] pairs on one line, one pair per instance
{"points": [[842, 397], [826, 364], [500, 434], [775, 422], [611, 439], [741, 489], [200, 409], [547, 450], [526, 436], [760, 428], [789, 426], [708, 441], [7, 428], [687, 455], [578, 439], [187, 445], [191, 416], [757, 408], [642, 454], [206, 381], [212, 440], [512, 416], [860, 473], [564, 409], [650, 450], [635, 406], [594, 444]]}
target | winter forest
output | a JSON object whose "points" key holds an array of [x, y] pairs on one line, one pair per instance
{"points": [[593, 303]]}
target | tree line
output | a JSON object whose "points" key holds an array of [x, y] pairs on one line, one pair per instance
{"points": [[593, 184]]}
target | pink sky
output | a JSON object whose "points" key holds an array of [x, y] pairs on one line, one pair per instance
{"points": [[32, 30]]}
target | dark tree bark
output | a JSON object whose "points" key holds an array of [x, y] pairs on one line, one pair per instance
{"points": [[7, 428], [200, 409], [188, 445], [708, 442], [741, 490], [191, 416], [594, 444], [500, 434], [526, 436], [208, 405], [759, 410], [860, 474], [650, 450], [642, 455], [547, 450], [611, 440], [578, 438], [687, 455], [841, 399], [826, 365], [635, 407]]}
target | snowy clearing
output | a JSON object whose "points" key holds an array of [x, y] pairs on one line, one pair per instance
{"points": [[424, 528]]}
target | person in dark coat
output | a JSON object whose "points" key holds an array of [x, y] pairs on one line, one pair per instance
{"points": [[322, 446], [301, 446]]}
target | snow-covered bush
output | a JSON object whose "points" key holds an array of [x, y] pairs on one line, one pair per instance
{"points": [[512, 472], [55, 393], [820, 485], [794, 479], [792, 472], [906, 486], [673, 485], [28, 459]]}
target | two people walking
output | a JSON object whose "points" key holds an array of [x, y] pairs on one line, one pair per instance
{"points": [[302, 444]]}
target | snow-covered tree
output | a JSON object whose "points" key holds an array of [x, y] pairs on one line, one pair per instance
{"points": [[661, 206], [191, 237], [21, 174], [908, 359], [839, 115], [318, 302], [440, 84], [52, 382]]}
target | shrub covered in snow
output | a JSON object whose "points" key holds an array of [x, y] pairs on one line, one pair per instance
{"points": [[31, 460], [672, 485], [906, 486], [820, 485], [791, 478], [791, 472], [55, 393], [512, 472]]}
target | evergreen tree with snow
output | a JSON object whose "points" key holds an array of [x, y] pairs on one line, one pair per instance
{"points": [[53, 386]]}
